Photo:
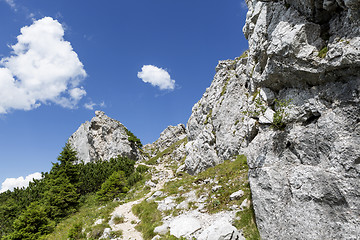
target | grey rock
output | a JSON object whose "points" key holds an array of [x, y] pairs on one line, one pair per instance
{"points": [[155, 195], [237, 195], [101, 139], [216, 188], [184, 226], [309, 172], [162, 230], [106, 234], [222, 229], [245, 204], [156, 237], [169, 136], [150, 184], [166, 204]]}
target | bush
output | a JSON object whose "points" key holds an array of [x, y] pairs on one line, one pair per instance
{"points": [[134, 178], [118, 219], [75, 232], [114, 186], [142, 168]]}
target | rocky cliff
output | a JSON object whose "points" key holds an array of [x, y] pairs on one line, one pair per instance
{"points": [[104, 138], [291, 105], [168, 137]]}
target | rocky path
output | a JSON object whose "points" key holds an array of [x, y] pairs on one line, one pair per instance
{"points": [[130, 220]]}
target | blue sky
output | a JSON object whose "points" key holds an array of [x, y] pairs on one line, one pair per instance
{"points": [[173, 44]]}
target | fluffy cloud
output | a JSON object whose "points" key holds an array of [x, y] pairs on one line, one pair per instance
{"points": [[156, 77], [11, 183], [43, 68]]}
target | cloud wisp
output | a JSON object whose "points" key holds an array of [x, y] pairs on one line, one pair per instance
{"points": [[11, 183], [11, 4], [157, 77], [91, 105], [43, 68]]}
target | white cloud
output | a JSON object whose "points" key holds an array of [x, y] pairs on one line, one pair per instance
{"points": [[11, 183], [90, 105], [156, 77], [43, 68]]}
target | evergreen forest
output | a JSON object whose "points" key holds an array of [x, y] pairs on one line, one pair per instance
{"points": [[33, 212]]}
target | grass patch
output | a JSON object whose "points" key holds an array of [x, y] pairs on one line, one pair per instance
{"points": [[150, 218], [119, 219], [247, 224], [116, 234], [84, 219]]}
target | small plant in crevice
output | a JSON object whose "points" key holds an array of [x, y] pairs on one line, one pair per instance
{"points": [[280, 113], [322, 53], [208, 117], [224, 87]]}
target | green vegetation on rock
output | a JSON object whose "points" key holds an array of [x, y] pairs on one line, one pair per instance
{"points": [[322, 53]]}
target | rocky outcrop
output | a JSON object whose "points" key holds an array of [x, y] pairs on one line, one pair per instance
{"points": [[103, 138], [291, 104], [169, 136]]}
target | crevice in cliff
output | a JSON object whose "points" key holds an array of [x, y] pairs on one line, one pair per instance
{"points": [[312, 119]]}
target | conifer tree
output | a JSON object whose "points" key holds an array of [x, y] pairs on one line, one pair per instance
{"points": [[67, 165], [114, 186], [32, 224]]}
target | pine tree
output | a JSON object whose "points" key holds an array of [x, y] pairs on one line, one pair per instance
{"points": [[114, 186], [61, 199], [32, 224], [67, 165]]}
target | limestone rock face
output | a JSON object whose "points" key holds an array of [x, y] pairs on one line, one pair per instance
{"points": [[103, 138], [169, 136], [291, 104]]}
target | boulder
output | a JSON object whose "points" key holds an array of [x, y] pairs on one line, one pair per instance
{"points": [[221, 230], [236, 195], [183, 226]]}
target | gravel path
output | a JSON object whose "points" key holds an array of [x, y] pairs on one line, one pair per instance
{"points": [[130, 220]]}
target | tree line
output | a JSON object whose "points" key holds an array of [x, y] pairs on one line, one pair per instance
{"points": [[33, 212]]}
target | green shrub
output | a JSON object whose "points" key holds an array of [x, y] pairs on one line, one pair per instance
{"points": [[75, 232], [115, 186], [133, 139], [119, 219], [142, 168]]}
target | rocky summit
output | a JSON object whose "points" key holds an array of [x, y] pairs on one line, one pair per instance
{"points": [[104, 138], [291, 105]]}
